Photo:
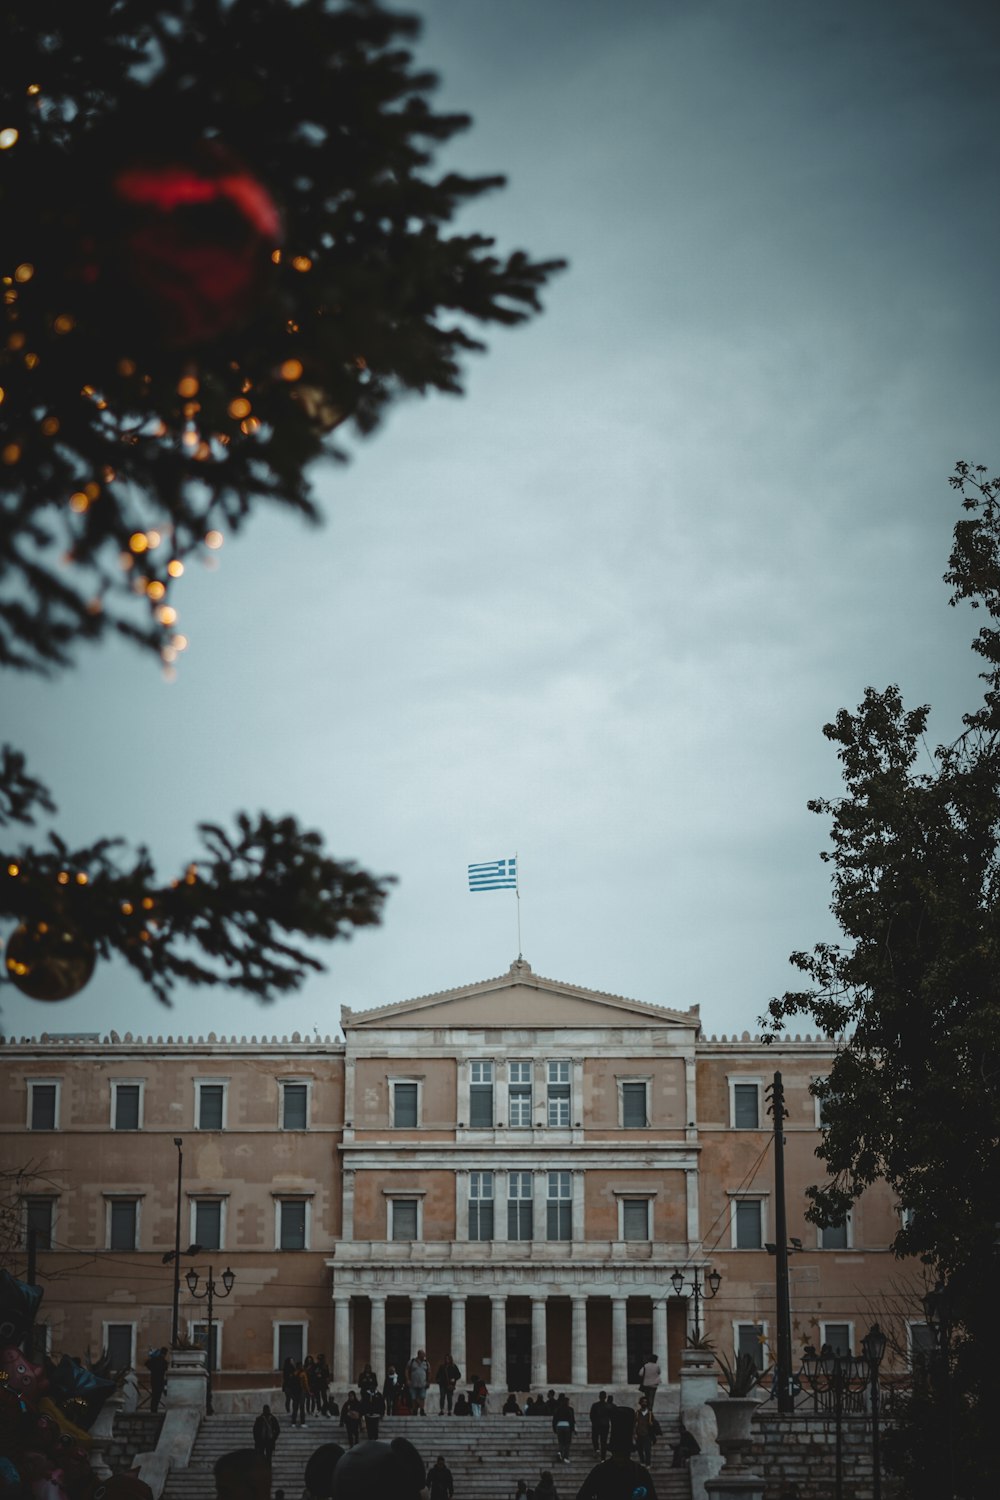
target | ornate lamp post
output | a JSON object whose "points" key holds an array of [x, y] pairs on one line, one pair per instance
{"points": [[697, 1290], [873, 1348], [210, 1292]]}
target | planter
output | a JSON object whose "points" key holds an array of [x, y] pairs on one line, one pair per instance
{"points": [[733, 1418], [187, 1378], [698, 1360]]}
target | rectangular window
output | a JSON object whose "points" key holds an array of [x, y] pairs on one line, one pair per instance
{"points": [[404, 1106], [211, 1106], [751, 1339], [123, 1215], [559, 1207], [39, 1214], [635, 1219], [199, 1338], [519, 1089], [404, 1218], [836, 1337], [290, 1343], [558, 1093], [634, 1116], [922, 1342], [480, 1205], [119, 1341], [206, 1229], [42, 1108], [520, 1206], [746, 1106], [480, 1094], [292, 1224], [834, 1237], [125, 1106], [294, 1104], [747, 1226]]}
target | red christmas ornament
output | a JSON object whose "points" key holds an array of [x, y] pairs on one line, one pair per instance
{"points": [[47, 962], [195, 243]]}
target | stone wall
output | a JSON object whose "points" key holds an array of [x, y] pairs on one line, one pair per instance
{"points": [[796, 1456], [138, 1432]]}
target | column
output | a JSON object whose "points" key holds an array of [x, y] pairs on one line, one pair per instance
{"points": [[578, 1374], [462, 1205], [540, 1204], [341, 1343], [500, 1180], [690, 1099], [619, 1341], [418, 1321], [458, 1333], [539, 1349], [579, 1226], [347, 1228], [376, 1348], [660, 1332], [498, 1343]]}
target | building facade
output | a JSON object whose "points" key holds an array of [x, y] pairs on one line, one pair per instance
{"points": [[509, 1171]]}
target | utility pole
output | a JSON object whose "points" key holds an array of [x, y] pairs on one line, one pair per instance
{"points": [[786, 1395]]}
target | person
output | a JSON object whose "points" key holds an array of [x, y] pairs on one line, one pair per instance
{"points": [[478, 1396], [390, 1390], [550, 1404], [323, 1378], [685, 1449], [130, 1392], [156, 1364], [529, 1406], [288, 1384], [545, 1489], [511, 1408], [447, 1377], [600, 1425], [242, 1475], [299, 1389], [462, 1407], [563, 1425], [418, 1373], [649, 1380], [350, 1417], [521, 1493], [440, 1484], [367, 1380], [373, 1410], [265, 1433], [644, 1432], [619, 1476]]}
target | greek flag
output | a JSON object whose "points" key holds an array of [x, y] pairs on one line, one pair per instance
{"points": [[495, 875]]}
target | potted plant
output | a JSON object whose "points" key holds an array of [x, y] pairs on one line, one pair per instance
{"points": [[698, 1352], [734, 1410]]}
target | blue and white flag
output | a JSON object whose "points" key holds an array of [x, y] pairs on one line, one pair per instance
{"points": [[495, 875]]}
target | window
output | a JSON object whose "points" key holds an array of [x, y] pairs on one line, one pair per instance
{"points": [[558, 1093], [520, 1207], [519, 1086], [836, 1236], [294, 1106], [835, 1337], [560, 1207], [43, 1106], [289, 1343], [199, 1338], [404, 1105], [744, 1103], [403, 1218], [748, 1225], [123, 1224], [633, 1106], [119, 1341], [480, 1205], [751, 1338], [39, 1214], [481, 1094], [922, 1342], [635, 1219], [291, 1224], [126, 1099], [211, 1106], [206, 1223]]}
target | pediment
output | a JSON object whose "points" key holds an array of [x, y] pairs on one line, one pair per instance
{"points": [[519, 998]]}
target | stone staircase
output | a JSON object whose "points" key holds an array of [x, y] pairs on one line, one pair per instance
{"points": [[486, 1456]]}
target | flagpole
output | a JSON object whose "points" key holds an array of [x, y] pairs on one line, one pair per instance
{"points": [[517, 895]]}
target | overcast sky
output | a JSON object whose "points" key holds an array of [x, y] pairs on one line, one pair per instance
{"points": [[598, 610]]}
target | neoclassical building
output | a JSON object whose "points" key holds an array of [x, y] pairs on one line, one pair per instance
{"points": [[509, 1171]]}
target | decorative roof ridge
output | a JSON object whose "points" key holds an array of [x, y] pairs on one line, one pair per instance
{"points": [[114, 1039], [757, 1037], [520, 968]]}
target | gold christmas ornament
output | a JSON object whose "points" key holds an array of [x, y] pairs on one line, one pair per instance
{"points": [[47, 961]]}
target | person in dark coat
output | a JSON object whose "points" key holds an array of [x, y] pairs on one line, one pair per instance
{"points": [[685, 1449], [447, 1377], [563, 1425], [156, 1364], [619, 1475], [440, 1484], [373, 1410], [600, 1425], [350, 1417], [265, 1433], [391, 1390]]}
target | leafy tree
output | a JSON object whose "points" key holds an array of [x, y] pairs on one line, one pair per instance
{"points": [[913, 1097], [220, 237]]}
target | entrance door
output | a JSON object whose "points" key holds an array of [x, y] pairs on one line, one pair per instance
{"points": [[639, 1345], [519, 1356], [397, 1349]]}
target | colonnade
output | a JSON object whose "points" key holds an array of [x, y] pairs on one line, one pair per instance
{"points": [[343, 1365]]}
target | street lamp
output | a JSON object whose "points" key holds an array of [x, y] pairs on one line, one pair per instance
{"points": [[831, 1376], [712, 1281], [175, 1332], [873, 1348], [210, 1292]]}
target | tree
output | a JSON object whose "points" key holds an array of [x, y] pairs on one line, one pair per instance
{"points": [[913, 1096], [219, 239]]}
